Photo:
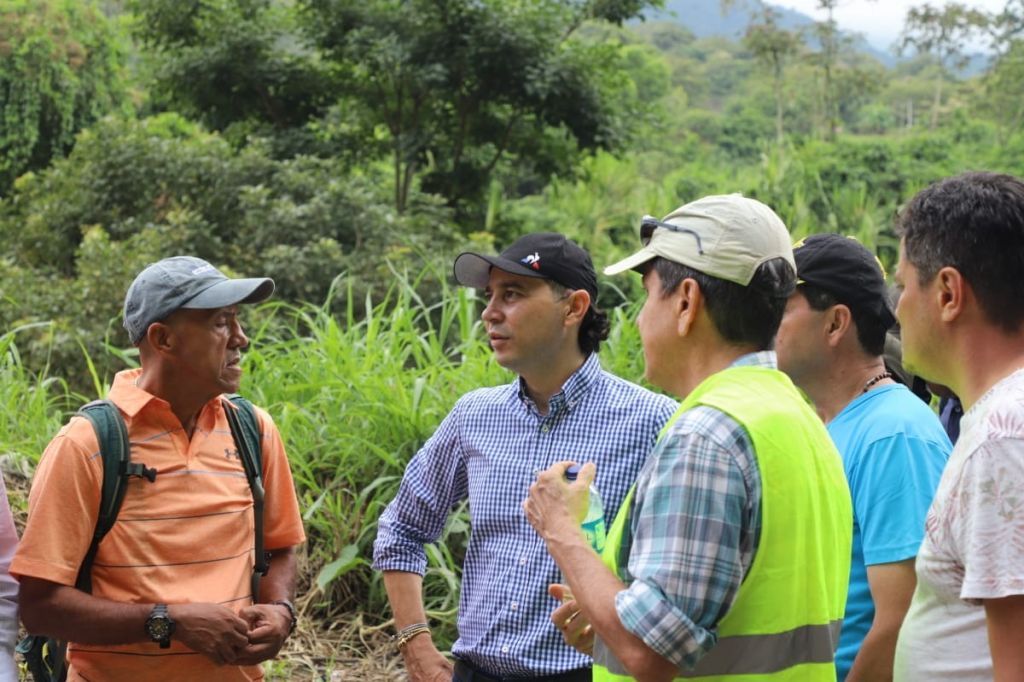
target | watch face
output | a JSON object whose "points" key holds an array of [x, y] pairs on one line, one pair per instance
{"points": [[159, 628]]}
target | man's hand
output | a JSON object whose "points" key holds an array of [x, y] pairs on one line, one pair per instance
{"points": [[555, 506], [424, 663], [570, 621], [269, 626], [209, 629]]}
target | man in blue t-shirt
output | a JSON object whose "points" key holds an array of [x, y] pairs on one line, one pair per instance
{"points": [[830, 343]]}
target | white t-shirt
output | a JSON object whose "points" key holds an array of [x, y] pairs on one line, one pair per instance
{"points": [[973, 547]]}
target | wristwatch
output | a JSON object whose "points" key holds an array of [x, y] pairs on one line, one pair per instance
{"points": [[159, 626], [291, 611]]}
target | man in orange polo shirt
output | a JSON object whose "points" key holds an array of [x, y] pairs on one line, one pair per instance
{"points": [[171, 595]]}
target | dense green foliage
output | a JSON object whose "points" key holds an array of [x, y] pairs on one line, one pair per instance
{"points": [[446, 89], [61, 69], [133, 191]]}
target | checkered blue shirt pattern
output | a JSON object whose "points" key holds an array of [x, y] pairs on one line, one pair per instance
{"points": [[695, 526], [487, 450]]}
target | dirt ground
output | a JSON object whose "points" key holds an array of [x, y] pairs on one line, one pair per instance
{"points": [[347, 652]]}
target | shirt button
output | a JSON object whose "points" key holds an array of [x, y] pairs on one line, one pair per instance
{"points": [[514, 605], [545, 428], [504, 649], [522, 561]]}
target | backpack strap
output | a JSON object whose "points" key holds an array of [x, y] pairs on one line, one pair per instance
{"points": [[44, 655], [115, 451], [44, 658], [246, 432]]}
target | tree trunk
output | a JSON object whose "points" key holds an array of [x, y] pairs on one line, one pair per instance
{"points": [[399, 206], [830, 55], [830, 105], [407, 177], [779, 133]]}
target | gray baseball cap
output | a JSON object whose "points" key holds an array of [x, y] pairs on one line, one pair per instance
{"points": [[185, 282]]}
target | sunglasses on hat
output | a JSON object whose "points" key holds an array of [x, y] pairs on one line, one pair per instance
{"points": [[648, 224]]}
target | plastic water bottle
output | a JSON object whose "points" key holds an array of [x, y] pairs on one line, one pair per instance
{"points": [[593, 523]]}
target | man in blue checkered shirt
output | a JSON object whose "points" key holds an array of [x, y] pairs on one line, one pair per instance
{"points": [[543, 324]]}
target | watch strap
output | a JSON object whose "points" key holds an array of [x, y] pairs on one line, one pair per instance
{"points": [[160, 613], [291, 610]]}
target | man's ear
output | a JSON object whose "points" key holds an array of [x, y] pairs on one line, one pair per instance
{"points": [[579, 304], [689, 301], [951, 290], [838, 323], [160, 337]]}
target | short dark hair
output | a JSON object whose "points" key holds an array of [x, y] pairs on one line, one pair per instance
{"points": [[595, 326], [973, 222], [870, 329], [594, 330], [742, 314]]}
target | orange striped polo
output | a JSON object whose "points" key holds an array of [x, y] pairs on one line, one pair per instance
{"points": [[186, 537]]}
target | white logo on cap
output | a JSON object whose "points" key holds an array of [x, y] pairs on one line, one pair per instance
{"points": [[203, 268], [533, 260]]}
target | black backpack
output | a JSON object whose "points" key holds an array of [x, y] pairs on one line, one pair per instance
{"points": [[45, 655]]}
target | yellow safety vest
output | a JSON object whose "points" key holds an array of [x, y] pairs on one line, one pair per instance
{"points": [[784, 623]]}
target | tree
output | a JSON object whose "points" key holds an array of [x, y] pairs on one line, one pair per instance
{"points": [[857, 85], [450, 90], [238, 66], [61, 69], [832, 45], [773, 46], [1005, 80], [1003, 87], [461, 85], [830, 42], [827, 33], [944, 34], [1007, 27]]}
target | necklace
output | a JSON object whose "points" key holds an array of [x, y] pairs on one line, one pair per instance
{"points": [[875, 379]]}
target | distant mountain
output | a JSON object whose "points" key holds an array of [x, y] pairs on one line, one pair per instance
{"points": [[705, 18]]}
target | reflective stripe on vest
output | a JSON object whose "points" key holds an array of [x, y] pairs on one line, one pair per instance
{"points": [[784, 623], [753, 654]]}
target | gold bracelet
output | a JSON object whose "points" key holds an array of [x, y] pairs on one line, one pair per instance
{"points": [[403, 636]]}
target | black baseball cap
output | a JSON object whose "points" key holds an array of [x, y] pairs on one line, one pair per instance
{"points": [[545, 255], [847, 270]]}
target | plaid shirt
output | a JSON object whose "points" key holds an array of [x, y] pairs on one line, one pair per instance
{"points": [[695, 526], [487, 450]]}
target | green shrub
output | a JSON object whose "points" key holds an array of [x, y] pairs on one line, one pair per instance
{"points": [[133, 192]]}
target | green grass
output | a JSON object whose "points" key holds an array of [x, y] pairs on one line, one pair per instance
{"points": [[32, 406]]}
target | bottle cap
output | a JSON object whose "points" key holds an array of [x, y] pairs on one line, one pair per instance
{"points": [[572, 472]]}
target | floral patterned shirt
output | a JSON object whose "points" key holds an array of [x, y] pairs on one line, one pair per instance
{"points": [[974, 544]]}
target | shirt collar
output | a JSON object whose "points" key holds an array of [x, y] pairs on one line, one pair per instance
{"points": [[130, 399], [764, 358], [574, 388], [126, 394]]}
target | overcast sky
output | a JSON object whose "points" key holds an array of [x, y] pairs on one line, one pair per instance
{"points": [[882, 20]]}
